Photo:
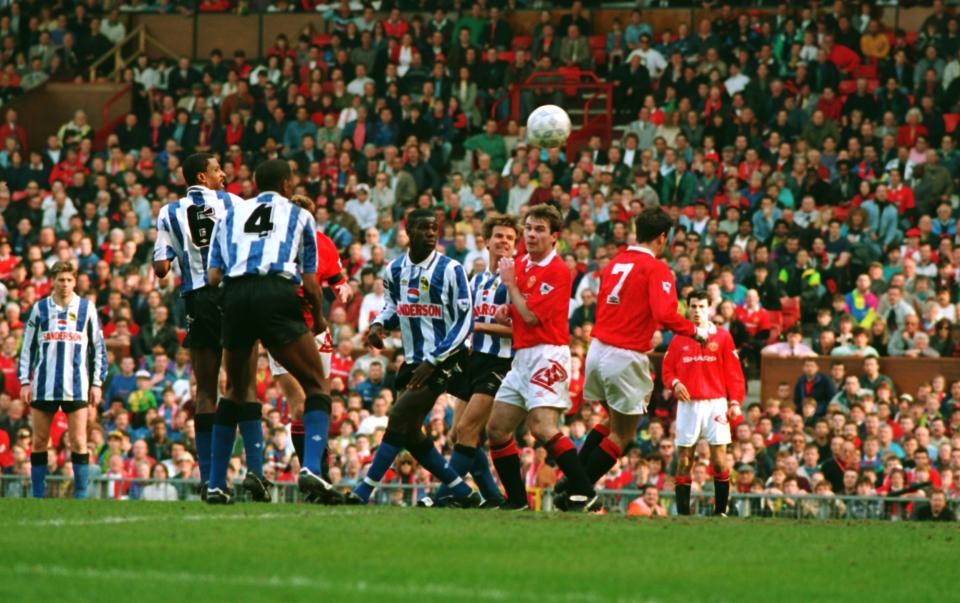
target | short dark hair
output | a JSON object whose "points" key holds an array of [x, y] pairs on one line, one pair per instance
{"points": [[549, 214], [420, 214], [271, 175], [651, 223], [697, 294], [194, 165], [493, 221]]}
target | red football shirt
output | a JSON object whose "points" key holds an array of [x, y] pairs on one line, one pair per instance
{"points": [[329, 270], [637, 296], [546, 287], [707, 371]]}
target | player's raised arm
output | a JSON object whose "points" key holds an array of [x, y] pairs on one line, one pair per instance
{"points": [[519, 304], [456, 296], [663, 301], [163, 251]]}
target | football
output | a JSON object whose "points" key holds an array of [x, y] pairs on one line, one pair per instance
{"points": [[548, 126]]}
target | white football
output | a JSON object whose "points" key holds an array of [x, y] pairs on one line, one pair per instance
{"points": [[548, 126]]}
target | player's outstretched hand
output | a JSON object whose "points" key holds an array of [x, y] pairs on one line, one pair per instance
{"points": [[420, 375], [502, 316], [375, 336], [26, 393], [507, 271], [681, 391], [702, 334]]}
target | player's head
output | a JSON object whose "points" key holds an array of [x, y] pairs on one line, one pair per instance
{"points": [[203, 169], [274, 176], [423, 230], [541, 228], [501, 233], [698, 307], [64, 276], [653, 226]]}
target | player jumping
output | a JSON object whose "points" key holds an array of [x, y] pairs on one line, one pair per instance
{"points": [[537, 388], [709, 385], [184, 230], [62, 367], [429, 298]]}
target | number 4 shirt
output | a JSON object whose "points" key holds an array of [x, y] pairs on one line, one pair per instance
{"points": [[546, 287], [637, 296]]}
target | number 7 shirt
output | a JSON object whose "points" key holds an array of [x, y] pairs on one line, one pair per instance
{"points": [[546, 286], [637, 296]]}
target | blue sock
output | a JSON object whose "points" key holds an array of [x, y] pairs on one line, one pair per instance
{"points": [[382, 460], [251, 429], [221, 443], [316, 427], [461, 461], [431, 459], [81, 473], [203, 424], [483, 477], [38, 473]]}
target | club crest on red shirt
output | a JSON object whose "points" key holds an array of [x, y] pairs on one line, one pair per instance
{"points": [[712, 346]]}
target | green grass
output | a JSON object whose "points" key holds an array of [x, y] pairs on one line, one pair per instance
{"points": [[186, 552]]}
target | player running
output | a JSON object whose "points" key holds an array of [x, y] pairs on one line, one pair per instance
{"points": [[184, 231], [489, 362], [537, 388], [330, 272], [637, 296], [429, 298], [261, 251], [62, 367], [709, 385]]}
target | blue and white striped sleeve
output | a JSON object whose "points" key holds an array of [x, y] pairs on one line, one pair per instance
{"points": [[98, 344], [388, 313], [217, 253], [29, 348], [308, 245], [163, 250], [456, 296]]}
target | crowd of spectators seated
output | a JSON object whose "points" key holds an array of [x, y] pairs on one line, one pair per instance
{"points": [[808, 156]]}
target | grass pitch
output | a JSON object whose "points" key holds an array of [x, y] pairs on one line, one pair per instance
{"points": [[56, 550]]}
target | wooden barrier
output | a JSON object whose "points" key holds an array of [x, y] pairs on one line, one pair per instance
{"points": [[907, 373], [44, 109]]}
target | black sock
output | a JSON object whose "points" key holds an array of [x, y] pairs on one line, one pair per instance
{"points": [[325, 464], [682, 492], [296, 437], [596, 435], [506, 459], [721, 486], [565, 453], [604, 457]]}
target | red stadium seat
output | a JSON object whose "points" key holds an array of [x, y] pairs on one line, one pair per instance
{"points": [[868, 71], [950, 121], [790, 307], [912, 38], [845, 59], [597, 42], [776, 325], [322, 40], [508, 56], [522, 42], [847, 87]]}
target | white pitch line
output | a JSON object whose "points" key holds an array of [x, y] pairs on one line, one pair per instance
{"points": [[100, 521], [391, 589]]}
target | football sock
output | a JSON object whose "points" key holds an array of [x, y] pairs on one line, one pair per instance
{"points": [[221, 442], [81, 473], [596, 435], [506, 459], [604, 456], [682, 491], [483, 477], [296, 436], [251, 429], [383, 458], [565, 453], [721, 486], [38, 473], [431, 459], [316, 428], [203, 423], [461, 461]]}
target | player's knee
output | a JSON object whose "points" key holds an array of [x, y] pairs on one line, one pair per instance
{"points": [[497, 433]]}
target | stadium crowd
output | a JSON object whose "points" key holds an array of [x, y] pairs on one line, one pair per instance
{"points": [[809, 157]]}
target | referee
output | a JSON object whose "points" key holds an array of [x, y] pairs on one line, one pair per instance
{"points": [[261, 251], [63, 363]]}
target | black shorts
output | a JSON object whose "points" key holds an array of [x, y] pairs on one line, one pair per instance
{"points": [[442, 376], [482, 374], [261, 307], [52, 406], [204, 318]]}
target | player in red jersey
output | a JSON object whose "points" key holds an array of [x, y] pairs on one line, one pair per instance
{"points": [[537, 386], [709, 385], [637, 297]]}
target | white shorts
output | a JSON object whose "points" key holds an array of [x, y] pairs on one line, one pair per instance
{"points": [[539, 376], [619, 377], [324, 344], [703, 418]]}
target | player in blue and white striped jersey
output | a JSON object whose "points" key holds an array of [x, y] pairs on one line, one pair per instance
{"points": [[428, 297], [63, 363], [489, 362], [184, 232], [261, 250]]}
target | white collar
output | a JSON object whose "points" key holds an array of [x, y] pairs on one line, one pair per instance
{"points": [[66, 305], [545, 261], [641, 250]]}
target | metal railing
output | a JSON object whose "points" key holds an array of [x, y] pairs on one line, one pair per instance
{"points": [[800, 506]]}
